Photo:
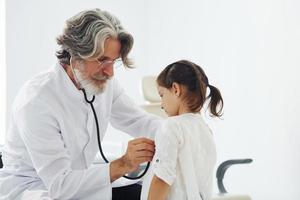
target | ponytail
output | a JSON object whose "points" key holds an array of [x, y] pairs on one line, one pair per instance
{"points": [[216, 101]]}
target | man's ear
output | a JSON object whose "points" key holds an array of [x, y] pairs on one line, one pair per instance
{"points": [[176, 89]]}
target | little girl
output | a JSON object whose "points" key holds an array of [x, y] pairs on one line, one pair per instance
{"points": [[185, 157]]}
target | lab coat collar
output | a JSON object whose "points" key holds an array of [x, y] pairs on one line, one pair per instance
{"points": [[70, 89]]}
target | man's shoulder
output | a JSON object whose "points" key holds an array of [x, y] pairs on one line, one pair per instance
{"points": [[34, 89]]}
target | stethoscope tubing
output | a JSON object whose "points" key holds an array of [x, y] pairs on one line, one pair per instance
{"points": [[99, 141]]}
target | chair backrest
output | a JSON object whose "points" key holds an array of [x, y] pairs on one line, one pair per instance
{"points": [[150, 90], [150, 94], [1, 163]]}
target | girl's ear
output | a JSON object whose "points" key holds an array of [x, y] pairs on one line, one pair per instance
{"points": [[176, 89]]}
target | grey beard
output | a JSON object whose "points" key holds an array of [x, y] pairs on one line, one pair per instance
{"points": [[88, 85]]}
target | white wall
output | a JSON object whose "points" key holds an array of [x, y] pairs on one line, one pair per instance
{"points": [[2, 71], [249, 49]]}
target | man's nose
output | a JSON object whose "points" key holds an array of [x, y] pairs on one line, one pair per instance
{"points": [[108, 71]]}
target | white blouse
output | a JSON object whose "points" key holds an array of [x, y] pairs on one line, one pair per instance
{"points": [[185, 158]]}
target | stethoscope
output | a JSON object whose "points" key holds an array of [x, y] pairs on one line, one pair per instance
{"points": [[97, 126], [98, 136]]}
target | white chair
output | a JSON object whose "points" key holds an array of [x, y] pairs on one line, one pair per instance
{"points": [[152, 105], [150, 94]]}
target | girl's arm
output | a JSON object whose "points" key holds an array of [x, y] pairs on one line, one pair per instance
{"points": [[158, 189]]}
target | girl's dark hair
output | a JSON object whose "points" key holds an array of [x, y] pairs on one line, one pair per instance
{"points": [[194, 79]]}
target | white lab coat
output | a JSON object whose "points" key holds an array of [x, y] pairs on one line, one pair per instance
{"points": [[52, 140]]}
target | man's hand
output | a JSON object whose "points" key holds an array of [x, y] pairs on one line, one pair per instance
{"points": [[138, 151]]}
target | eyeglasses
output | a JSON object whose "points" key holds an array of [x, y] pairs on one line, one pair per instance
{"points": [[107, 63]]}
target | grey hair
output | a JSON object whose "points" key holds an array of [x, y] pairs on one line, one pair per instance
{"points": [[85, 33]]}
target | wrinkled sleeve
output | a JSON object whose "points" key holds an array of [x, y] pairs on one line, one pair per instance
{"points": [[40, 132], [128, 117], [168, 142]]}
